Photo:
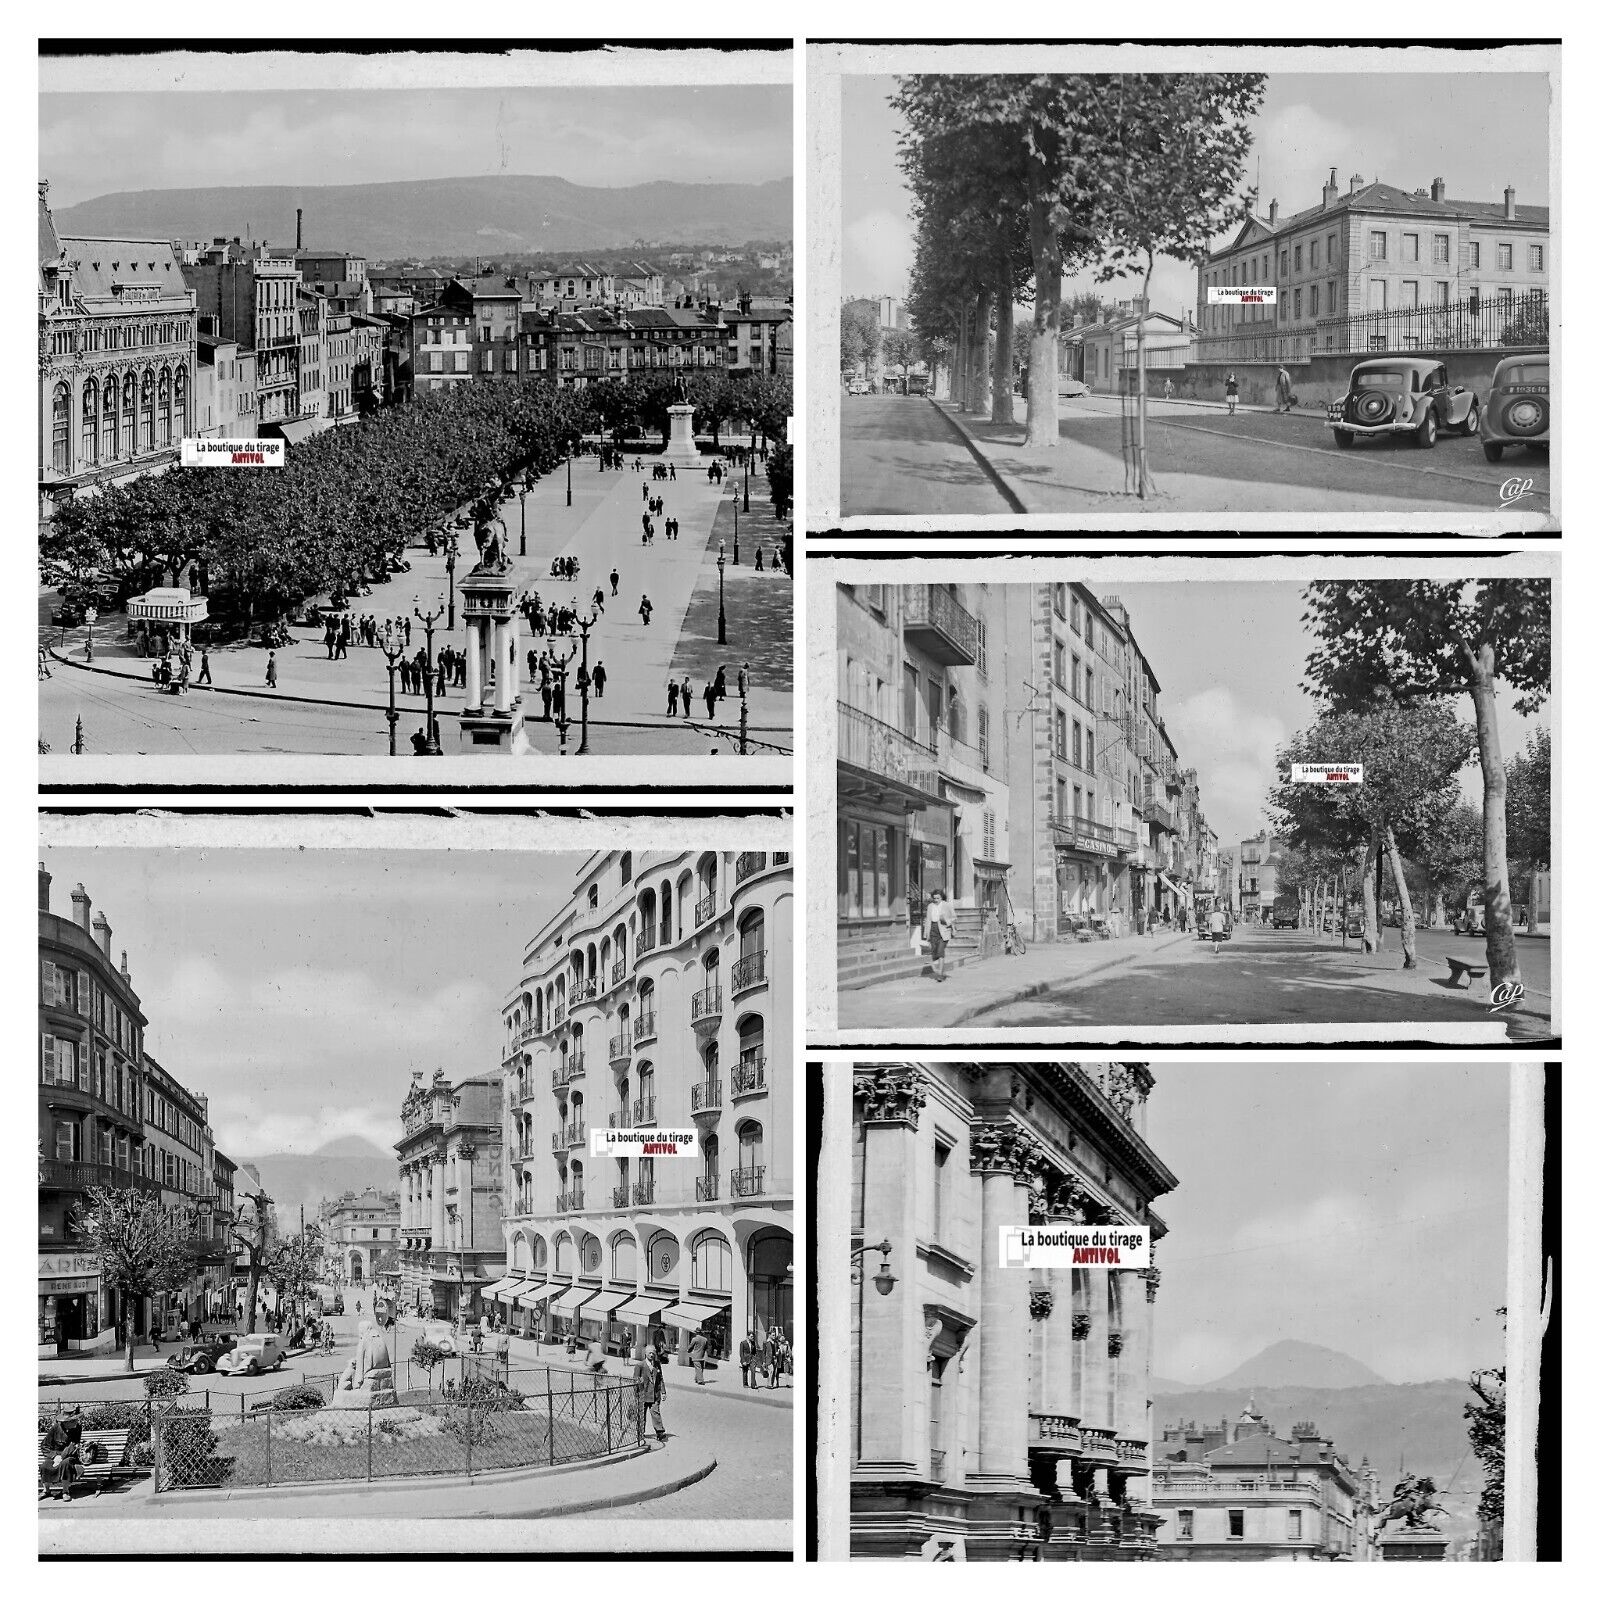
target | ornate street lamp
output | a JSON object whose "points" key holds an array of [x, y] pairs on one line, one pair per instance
{"points": [[722, 615], [584, 625], [428, 619], [452, 549], [393, 658], [883, 1278]]}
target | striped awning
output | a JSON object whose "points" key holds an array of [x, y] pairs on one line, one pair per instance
{"points": [[690, 1313]]}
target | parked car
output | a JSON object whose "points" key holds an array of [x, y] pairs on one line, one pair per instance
{"points": [[1518, 408], [437, 1331], [254, 1353], [202, 1355], [1401, 394], [859, 386], [1469, 919]]}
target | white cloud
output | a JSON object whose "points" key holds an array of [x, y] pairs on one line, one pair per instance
{"points": [[878, 251], [1235, 750]]}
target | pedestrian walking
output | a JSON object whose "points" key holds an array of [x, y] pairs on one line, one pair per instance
{"points": [[616, 578], [205, 666], [672, 698], [710, 694], [645, 608], [1168, 391], [697, 1355], [720, 683], [758, 558], [644, 490], [940, 926], [774, 1356], [599, 680], [599, 599], [1285, 396], [1231, 388], [672, 473], [747, 1355], [686, 695], [272, 669], [649, 1388], [408, 632], [1219, 926]]}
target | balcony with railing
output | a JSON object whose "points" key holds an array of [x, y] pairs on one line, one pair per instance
{"points": [[1052, 1431], [644, 1193], [749, 863], [1100, 1444], [886, 752], [750, 1075], [618, 972], [749, 970], [619, 1195], [967, 763], [644, 942], [705, 1008], [1157, 814], [620, 1119], [92, 1175], [584, 992], [644, 1112], [706, 1188], [644, 1027], [705, 1095], [1131, 1455], [558, 1140], [746, 1182], [1098, 838], [570, 1200], [570, 1068], [577, 1134], [620, 1048], [939, 624]]}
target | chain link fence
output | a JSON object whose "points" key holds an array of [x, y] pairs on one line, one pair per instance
{"points": [[490, 1418]]}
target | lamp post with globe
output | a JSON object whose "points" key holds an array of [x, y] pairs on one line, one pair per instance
{"points": [[722, 614]]}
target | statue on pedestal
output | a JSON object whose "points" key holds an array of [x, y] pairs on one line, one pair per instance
{"points": [[1411, 1506], [487, 532], [368, 1378]]}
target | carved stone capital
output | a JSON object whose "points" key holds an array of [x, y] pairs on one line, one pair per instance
{"points": [[890, 1095], [1004, 1147], [1113, 1345], [1080, 1324], [1041, 1302], [1055, 1197], [1152, 1282]]}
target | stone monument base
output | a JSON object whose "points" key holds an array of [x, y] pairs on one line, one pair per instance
{"points": [[490, 732], [1412, 1544], [680, 437], [378, 1393]]}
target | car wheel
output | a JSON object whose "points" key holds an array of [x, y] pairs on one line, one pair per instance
{"points": [[252, 1370], [1526, 416], [1493, 449], [1427, 431], [1470, 425], [1343, 438], [202, 1365]]}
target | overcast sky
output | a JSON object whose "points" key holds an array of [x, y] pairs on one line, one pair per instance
{"points": [[1230, 659], [98, 143], [1477, 131], [299, 989], [1360, 1207]]}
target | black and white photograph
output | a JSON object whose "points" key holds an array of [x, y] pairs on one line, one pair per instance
{"points": [[403, 1184], [417, 404], [1093, 288], [1304, 1358], [1179, 797]]}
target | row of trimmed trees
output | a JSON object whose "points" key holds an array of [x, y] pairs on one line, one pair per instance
{"points": [[1019, 181], [1389, 661]]}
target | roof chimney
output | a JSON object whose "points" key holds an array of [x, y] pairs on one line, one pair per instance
{"points": [[80, 907], [1436, 189], [1330, 190], [127, 977], [44, 888], [299, 213], [1272, 212], [1511, 204], [102, 933], [1355, 182]]}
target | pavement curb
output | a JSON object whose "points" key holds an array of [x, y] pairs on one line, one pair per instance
{"points": [[1004, 489]]}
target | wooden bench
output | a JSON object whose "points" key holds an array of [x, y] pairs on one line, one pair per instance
{"points": [[1460, 970], [102, 1453]]}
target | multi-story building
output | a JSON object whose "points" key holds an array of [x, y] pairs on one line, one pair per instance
{"points": [[254, 299], [368, 362], [922, 760], [1376, 248], [494, 307], [116, 359], [675, 337], [999, 1413], [225, 392], [91, 1123], [1259, 859], [661, 996], [178, 1158], [752, 336], [1255, 1497], [339, 348], [439, 343], [582, 286], [451, 1184], [361, 1234]]}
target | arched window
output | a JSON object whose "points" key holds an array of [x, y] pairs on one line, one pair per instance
{"points": [[541, 1255], [644, 1108], [108, 420], [129, 394], [666, 913], [563, 1266], [710, 1168], [752, 1056], [519, 1254], [180, 400], [61, 430], [645, 1027], [164, 410], [624, 1259], [590, 1256], [711, 1263], [147, 412], [90, 424], [750, 1177], [627, 866]]}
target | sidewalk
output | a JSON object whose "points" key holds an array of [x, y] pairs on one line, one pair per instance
{"points": [[981, 986]]}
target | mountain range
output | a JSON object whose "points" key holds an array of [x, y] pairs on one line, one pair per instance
{"points": [[1289, 1362], [303, 1180], [502, 214]]}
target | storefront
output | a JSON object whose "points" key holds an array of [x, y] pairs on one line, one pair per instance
{"points": [[771, 1266], [69, 1303], [530, 1307], [643, 1314], [1083, 881], [930, 857], [600, 1323], [713, 1319]]}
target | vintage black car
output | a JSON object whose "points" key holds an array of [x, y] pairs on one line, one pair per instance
{"points": [[202, 1355], [1402, 394], [1518, 408]]}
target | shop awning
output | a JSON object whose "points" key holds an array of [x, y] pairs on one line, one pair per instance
{"points": [[539, 1294], [503, 1290], [642, 1307], [690, 1313], [605, 1302], [571, 1300]]}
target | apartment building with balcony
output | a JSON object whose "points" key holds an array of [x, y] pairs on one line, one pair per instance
{"points": [[452, 1180], [253, 299], [661, 996], [998, 1414], [1259, 859], [922, 763], [178, 1159]]}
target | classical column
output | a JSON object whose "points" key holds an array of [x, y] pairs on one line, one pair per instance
{"points": [[1056, 1204], [464, 1157], [1097, 1364], [474, 665], [503, 685], [891, 1379], [436, 1166], [1132, 1360]]}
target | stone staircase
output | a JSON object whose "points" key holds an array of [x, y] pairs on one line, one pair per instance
{"points": [[859, 968]]}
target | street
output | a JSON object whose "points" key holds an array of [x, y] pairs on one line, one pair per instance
{"points": [[897, 459], [1264, 977]]}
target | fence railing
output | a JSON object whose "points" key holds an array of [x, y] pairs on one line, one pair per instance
{"points": [[750, 1074], [749, 970], [706, 1095]]}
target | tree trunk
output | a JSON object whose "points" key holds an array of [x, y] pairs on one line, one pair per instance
{"points": [[980, 351], [1501, 941], [1044, 344], [1144, 484], [254, 1290], [1371, 937], [958, 364], [1003, 314], [1408, 922], [127, 1334]]}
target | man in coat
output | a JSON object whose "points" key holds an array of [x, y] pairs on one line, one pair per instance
{"points": [[747, 1356], [698, 1346]]}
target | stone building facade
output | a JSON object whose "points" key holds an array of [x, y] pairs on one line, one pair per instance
{"points": [[662, 995], [999, 1413], [361, 1234]]}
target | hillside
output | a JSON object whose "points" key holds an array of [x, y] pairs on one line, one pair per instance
{"points": [[1293, 1362], [449, 216], [296, 1180]]}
